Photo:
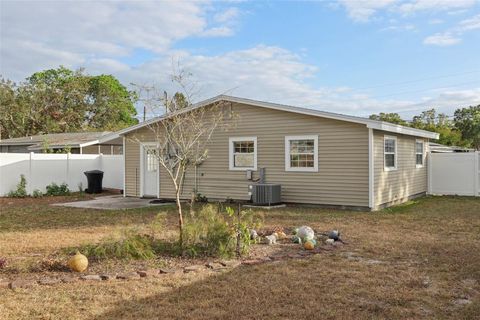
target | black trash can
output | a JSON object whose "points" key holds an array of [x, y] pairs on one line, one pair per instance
{"points": [[94, 178]]}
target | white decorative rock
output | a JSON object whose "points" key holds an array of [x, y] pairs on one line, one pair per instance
{"points": [[271, 239], [305, 233], [330, 241]]}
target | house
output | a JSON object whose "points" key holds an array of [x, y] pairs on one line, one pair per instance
{"points": [[318, 157], [76, 142]]}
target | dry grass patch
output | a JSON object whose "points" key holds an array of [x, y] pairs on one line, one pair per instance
{"points": [[419, 260]]}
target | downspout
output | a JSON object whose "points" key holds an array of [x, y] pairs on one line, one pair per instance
{"points": [[371, 170]]}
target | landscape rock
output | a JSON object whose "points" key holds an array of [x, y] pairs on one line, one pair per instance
{"points": [[193, 268], [330, 241], [22, 284], [91, 277], [128, 276], [230, 263], [271, 239], [48, 282], [4, 284], [69, 279], [252, 262], [108, 277], [170, 271], [215, 265]]}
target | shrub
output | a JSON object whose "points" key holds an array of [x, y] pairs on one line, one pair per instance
{"points": [[214, 232], [21, 191], [57, 190], [130, 246], [37, 193]]}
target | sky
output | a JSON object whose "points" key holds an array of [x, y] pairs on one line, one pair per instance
{"points": [[353, 57]]}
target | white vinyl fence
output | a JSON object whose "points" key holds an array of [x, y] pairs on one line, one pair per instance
{"points": [[454, 173], [41, 170]]}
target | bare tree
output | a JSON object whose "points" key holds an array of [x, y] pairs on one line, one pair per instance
{"points": [[182, 134]]}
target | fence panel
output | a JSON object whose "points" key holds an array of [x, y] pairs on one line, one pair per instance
{"points": [[41, 170], [454, 173]]}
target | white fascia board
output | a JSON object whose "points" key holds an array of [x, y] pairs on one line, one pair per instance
{"points": [[402, 130]]}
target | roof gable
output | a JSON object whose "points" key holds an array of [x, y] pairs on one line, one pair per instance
{"points": [[374, 124]]}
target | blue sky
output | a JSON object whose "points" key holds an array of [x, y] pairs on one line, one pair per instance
{"points": [[355, 57]]}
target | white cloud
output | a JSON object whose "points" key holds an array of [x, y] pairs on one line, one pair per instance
{"points": [[435, 5], [453, 35], [218, 32], [470, 24], [227, 15], [41, 34], [442, 39], [364, 10]]}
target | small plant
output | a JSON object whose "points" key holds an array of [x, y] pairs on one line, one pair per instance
{"points": [[130, 246], [57, 190], [201, 198], [214, 232], [3, 263], [37, 193], [21, 191], [80, 187]]}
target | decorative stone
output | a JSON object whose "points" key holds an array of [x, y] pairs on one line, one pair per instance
{"points": [[78, 263], [194, 268], [230, 263], [69, 279], [271, 239], [91, 277], [215, 265], [170, 271], [128, 276], [252, 262], [4, 284], [330, 241], [143, 273], [108, 277], [24, 284]]}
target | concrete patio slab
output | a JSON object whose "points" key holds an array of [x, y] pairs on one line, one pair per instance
{"points": [[116, 202]]}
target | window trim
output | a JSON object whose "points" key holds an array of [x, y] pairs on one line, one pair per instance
{"points": [[315, 154], [385, 138], [231, 162], [423, 153]]}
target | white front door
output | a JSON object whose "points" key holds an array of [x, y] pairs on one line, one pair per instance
{"points": [[150, 171]]}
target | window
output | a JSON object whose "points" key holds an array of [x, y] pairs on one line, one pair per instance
{"points": [[152, 161], [301, 153], [390, 153], [243, 153], [419, 153]]}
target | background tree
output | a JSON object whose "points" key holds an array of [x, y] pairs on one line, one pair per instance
{"points": [[467, 121], [62, 100], [389, 117]]}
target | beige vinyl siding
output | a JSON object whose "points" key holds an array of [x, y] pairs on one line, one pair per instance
{"points": [[407, 180], [342, 177], [93, 149]]}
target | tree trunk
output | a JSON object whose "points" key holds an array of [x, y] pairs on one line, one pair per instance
{"points": [[180, 215]]}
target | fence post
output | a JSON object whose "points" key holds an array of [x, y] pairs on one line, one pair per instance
{"points": [[67, 178], [429, 173], [476, 170], [30, 174]]}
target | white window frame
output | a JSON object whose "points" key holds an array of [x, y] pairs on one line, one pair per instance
{"points": [[385, 168], [231, 152], [315, 154], [423, 153]]}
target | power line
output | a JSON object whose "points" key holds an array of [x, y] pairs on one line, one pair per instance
{"points": [[418, 80]]}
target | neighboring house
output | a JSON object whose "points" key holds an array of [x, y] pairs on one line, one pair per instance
{"points": [[78, 142], [318, 157], [441, 148]]}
